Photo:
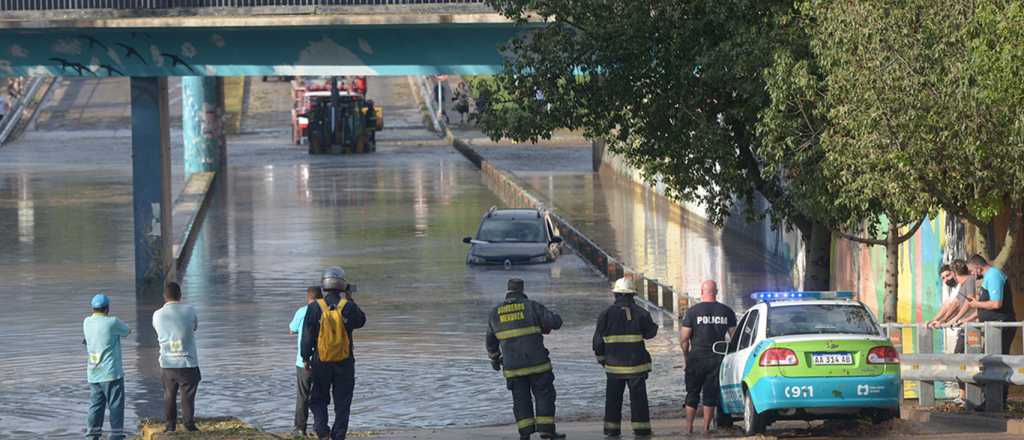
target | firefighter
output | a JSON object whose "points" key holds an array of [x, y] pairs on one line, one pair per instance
{"points": [[515, 342], [619, 347], [327, 352]]}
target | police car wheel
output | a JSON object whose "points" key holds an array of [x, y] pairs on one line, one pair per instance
{"points": [[754, 422], [722, 420]]}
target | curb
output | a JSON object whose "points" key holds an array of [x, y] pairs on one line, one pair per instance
{"points": [[977, 422], [190, 210], [512, 191]]}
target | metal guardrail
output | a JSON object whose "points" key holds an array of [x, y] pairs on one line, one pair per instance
{"points": [[982, 368], [72, 5], [13, 117]]}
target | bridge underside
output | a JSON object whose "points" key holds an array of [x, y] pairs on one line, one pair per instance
{"points": [[466, 49]]}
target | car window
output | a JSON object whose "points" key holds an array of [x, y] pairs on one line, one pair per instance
{"points": [[748, 332], [810, 319], [503, 230], [734, 342]]}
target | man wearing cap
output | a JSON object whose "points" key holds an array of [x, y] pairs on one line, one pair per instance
{"points": [[515, 342], [103, 335], [619, 347]]}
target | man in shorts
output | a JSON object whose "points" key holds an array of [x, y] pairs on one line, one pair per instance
{"points": [[704, 324]]}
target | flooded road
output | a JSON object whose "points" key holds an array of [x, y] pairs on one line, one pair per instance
{"points": [[393, 219]]}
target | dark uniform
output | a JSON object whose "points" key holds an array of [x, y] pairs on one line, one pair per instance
{"points": [[619, 346], [331, 379], [515, 342]]}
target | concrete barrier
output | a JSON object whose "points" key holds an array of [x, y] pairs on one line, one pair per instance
{"points": [[188, 215], [512, 191]]}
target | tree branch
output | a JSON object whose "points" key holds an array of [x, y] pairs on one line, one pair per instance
{"points": [[911, 232], [876, 242]]}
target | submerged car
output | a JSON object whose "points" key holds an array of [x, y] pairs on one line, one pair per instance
{"points": [[514, 237], [804, 356]]}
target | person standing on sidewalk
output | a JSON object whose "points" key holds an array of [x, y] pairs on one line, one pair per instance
{"points": [[619, 347], [175, 324], [515, 342], [304, 380], [994, 303], [327, 352], [105, 372], [703, 325]]}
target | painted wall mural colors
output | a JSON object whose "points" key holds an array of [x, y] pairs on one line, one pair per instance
{"points": [[468, 49]]}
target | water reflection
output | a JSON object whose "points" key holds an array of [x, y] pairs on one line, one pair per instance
{"points": [[660, 238]]}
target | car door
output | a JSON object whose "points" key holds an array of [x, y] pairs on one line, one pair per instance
{"points": [[746, 335], [732, 396], [556, 248]]}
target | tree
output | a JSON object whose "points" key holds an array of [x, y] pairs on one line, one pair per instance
{"points": [[859, 196], [674, 86], [929, 92]]}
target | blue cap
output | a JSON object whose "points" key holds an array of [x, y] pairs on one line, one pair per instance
{"points": [[100, 301]]}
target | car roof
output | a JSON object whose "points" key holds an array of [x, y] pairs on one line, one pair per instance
{"points": [[513, 213]]}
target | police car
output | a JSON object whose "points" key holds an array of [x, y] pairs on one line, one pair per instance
{"points": [[804, 356]]}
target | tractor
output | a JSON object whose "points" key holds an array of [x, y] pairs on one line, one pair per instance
{"points": [[332, 120]]}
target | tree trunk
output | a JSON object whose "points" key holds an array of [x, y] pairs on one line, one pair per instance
{"points": [[892, 273], [1009, 241], [817, 257]]}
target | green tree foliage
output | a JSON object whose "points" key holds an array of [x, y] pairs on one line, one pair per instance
{"points": [[925, 99], [676, 87]]}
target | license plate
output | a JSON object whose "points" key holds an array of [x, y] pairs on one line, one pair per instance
{"points": [[832, 358]]}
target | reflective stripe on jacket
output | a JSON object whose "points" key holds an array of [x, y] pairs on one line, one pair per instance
{"points": [[619, 338], [516, 333]]}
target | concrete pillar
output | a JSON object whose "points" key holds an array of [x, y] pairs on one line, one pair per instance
{"points": [[151, 184], [202, 112]]}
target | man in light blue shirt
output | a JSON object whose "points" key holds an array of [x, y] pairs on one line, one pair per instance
{"points": [[994, 304], [103, 335], [175, 324], [304, 377]]}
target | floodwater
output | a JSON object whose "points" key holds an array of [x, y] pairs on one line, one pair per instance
{"points": [[393, 219]]}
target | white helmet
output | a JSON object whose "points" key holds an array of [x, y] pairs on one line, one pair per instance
{"points": [[624, 286], [334, 279]]}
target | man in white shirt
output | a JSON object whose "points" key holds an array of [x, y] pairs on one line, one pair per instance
{"points": [[175, 324]]}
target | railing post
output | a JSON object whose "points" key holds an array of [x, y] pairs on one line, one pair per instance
{"points": [[973, 344], [993, 390], [926, 388]]}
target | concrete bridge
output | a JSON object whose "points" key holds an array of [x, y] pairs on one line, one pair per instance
{"points": [[202, 40]]}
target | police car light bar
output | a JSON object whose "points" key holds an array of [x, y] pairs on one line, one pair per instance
{"points": [[797, 295]]}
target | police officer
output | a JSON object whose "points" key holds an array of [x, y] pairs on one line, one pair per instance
{"points": [[619, 347], [515, 342], [704, 324], [327, 351]]}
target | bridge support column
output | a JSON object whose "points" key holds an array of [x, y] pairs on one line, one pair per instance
{"points": [[202, 114], [151, 185]]}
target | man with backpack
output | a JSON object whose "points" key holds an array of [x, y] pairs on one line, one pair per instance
{"points": [[327, 352]]}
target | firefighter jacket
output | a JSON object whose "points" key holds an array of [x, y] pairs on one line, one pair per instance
{"points": [[619, 338], [515, 334]]}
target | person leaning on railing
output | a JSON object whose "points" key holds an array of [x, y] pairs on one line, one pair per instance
{"points": [[994, 303], [955, 311]]}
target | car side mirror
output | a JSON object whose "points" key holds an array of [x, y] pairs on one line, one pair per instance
{"points": [[467, 240], [556, 240], [720, 347]]}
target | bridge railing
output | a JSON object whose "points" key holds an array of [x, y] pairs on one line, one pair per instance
{"points": [[982, 368], [76, 5]]}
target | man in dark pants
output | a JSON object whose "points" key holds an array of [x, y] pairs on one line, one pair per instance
{"points": [[175, 324], [515, 341], [619, 347], [994, 303], [704, 324], [327, 352], [303, 377]]}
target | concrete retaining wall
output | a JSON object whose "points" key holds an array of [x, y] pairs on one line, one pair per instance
{"points": [[189, 212], [777, 241]]}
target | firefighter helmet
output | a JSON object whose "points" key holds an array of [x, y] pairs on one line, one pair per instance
{"points": [[334, 279]]}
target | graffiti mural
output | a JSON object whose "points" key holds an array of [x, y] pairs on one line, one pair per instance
{"points": [[335, 50]]}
